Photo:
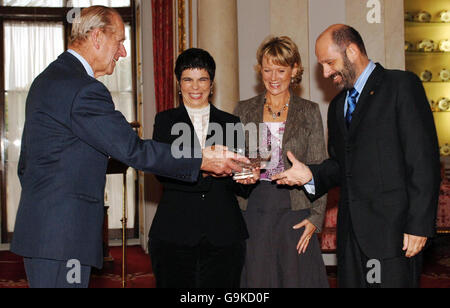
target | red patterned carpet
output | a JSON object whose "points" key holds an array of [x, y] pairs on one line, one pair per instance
{"points": [[12, 275], [436, 272]]}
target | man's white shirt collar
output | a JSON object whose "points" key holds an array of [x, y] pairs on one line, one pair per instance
{"points": [[83, 61]]}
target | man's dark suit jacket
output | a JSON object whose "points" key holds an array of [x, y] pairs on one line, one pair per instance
{"points": [[387, 164], [208, 208], [71, 130]]}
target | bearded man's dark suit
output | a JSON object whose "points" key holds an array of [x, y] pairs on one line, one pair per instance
{"points": [[387, 164]]}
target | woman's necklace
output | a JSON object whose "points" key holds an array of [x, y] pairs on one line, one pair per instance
{"points": [[276, 114]]}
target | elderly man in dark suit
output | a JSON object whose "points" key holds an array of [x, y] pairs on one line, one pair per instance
{"points": [[71, 130], [384, 154]]}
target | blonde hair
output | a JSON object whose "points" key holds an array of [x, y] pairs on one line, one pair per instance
{"points": [[281, 51], [91, 18]]}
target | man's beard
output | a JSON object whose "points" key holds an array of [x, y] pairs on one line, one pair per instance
{"points": [[348, 75]]}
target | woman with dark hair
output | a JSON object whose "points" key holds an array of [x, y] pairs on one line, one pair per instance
{"points": [[197, 238], [283, 249]]}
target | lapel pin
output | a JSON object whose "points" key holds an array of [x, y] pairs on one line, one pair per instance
{"points": [[372, 93]]}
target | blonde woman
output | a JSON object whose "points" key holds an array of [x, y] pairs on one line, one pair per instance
{"points": [[283, 249]]}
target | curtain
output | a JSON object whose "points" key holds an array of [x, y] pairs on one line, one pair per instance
{"points": [[29, 49], [163, 53], [60, 3], [45, 3], [110, 3]]}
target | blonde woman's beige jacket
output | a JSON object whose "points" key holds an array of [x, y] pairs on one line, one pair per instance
{"points": [[303, 136]]}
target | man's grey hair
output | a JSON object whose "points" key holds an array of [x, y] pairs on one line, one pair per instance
{"points": [[91, 18]]}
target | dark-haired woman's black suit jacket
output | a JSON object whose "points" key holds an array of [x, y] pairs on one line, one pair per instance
{"points": [[207, 208]]}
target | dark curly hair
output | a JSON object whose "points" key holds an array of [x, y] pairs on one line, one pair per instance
{"points": [[195, 58]]}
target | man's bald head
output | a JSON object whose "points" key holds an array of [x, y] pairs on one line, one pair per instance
{"points": [[342, 36]]}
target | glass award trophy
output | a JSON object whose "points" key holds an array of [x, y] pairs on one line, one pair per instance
{"points": [[258, 159]]}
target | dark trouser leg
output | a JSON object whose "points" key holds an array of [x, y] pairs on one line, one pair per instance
{"points": [[351, 265], [220, 267], [174, 266], [201, 266], [44, 273], [354, 269], [402, 272]]}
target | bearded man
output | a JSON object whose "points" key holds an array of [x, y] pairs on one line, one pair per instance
{"points": [[384, 155]]}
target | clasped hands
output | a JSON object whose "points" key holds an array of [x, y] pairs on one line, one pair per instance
{"points": [[219, 162], [299, 174]]}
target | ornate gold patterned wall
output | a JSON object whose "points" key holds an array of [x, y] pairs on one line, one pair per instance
{"points": [[429, 63]]}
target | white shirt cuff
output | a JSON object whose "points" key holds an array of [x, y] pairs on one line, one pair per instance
{"points": [[310, 187]]}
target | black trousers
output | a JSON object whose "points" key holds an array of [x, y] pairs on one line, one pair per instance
{"points": [[45, 273], [356, 270], [201, 266]]}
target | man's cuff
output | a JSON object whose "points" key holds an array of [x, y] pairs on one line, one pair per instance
{"points": [[310, 187]]}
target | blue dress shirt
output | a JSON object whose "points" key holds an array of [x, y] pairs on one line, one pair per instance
{"points": [[359, 86]]}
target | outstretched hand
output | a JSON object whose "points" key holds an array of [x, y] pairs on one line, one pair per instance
{"points": [[221, 162], [299, 174]]}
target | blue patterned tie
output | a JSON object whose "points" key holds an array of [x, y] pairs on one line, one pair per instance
{"points": [[351, 100]]}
